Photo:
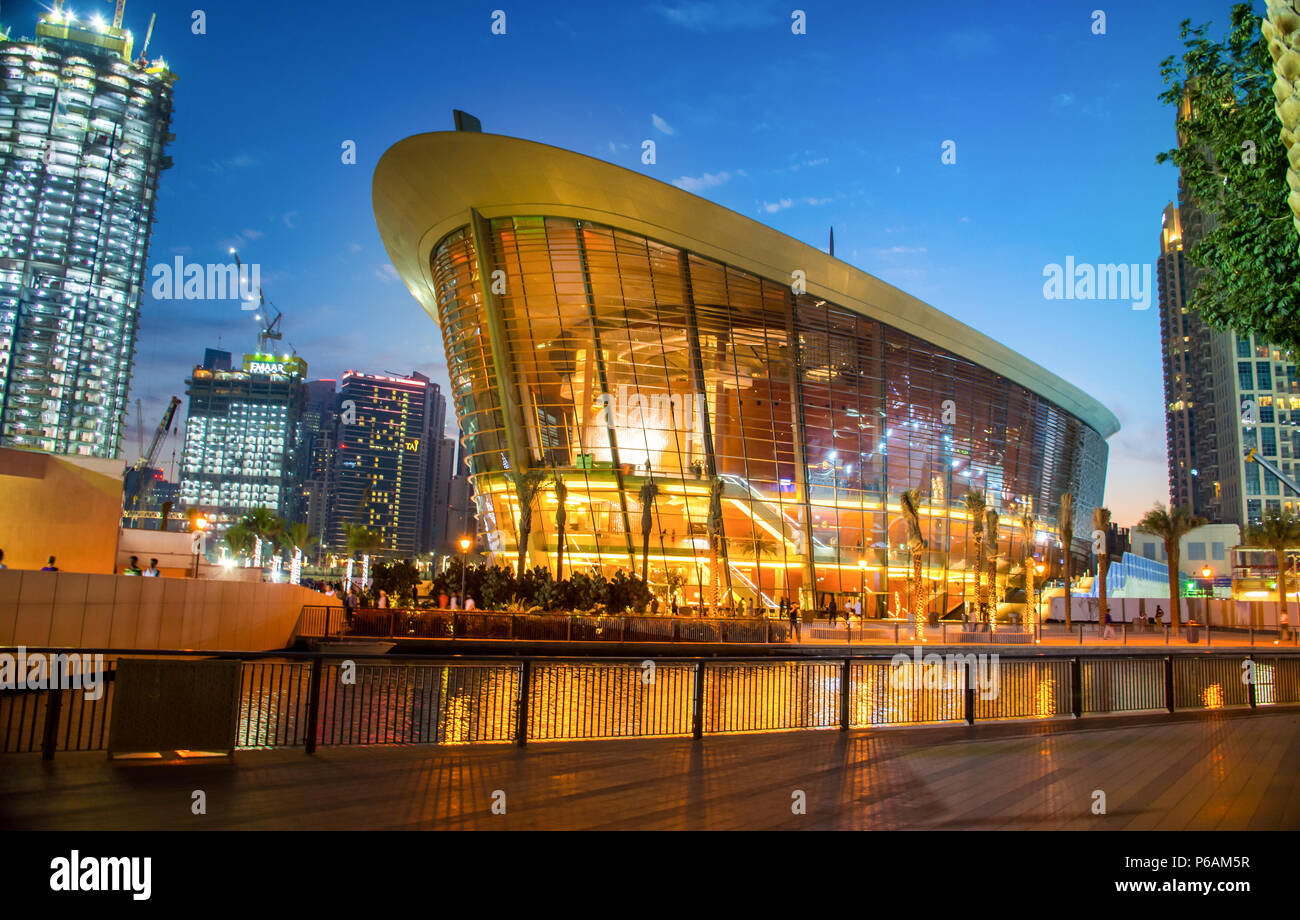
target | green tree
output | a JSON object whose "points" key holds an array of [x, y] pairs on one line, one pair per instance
{"points": [[296, 536], [361, 539], [1065, 526], [527, 484], [262, 525], [239, 539], [1231, 157], [1170, 525], [1278, 531]]}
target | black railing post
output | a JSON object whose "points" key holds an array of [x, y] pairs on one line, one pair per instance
{"points": [[1250, 685], [313, 703], [968, 692], [521, 716], [846, 680], [53, 708], [697, 705], [1169, 682], [1076, 687]]}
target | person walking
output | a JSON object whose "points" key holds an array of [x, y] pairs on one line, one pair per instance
{"points": [[152, 571], [2, 560], [793, 613], [1110, 627], [382, 602], [50, 566], [832, 611]]}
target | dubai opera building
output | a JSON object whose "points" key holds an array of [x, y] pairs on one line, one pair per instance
{"points": [[621, 332]]}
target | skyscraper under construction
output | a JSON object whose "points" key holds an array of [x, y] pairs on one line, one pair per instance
{"points": [[83, 126]]}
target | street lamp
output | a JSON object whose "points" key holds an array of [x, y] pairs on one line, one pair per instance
{"points": [[465, 544], [862, 591], [1208, 574], [200, 525]]}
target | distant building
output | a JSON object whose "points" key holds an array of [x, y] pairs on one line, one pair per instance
{"points": [[385, 469], [84, 127], [461, 518], [240, 435], [317, 450]]}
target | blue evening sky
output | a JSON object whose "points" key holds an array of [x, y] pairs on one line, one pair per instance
{"points": [[1056, 131]]}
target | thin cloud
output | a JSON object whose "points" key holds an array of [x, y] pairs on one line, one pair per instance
{"points": [[716, 15], [697, 184], [661, 125]]}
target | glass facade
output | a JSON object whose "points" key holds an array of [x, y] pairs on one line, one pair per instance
{"points": [[82, 132], [619, 362]]}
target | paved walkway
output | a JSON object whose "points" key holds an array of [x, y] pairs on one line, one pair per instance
{"points": [[1225, 770]]}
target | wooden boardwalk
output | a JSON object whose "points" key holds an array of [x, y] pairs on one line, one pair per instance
{"points": [[1223, 770]]}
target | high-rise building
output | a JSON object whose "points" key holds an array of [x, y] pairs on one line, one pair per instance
{"points": [[83, 127], [389, 435], [317, 447], [241, 435], [439, 539], [1190, 429]]}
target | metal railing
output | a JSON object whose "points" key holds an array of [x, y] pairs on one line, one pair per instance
{"points": [[312, 699], [456, 624]]}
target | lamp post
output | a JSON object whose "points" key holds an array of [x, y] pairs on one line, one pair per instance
{"points": [[1208, 574], [862, 590], [200, 525], [465, 544]]}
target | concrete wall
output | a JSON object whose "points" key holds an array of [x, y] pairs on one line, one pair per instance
{"points": [[65, 609], [67, 507]]}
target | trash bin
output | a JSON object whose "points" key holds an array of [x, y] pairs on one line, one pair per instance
{"points": [[1193, 632]]}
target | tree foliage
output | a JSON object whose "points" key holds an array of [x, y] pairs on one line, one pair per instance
{"points": [[1234, 166]]}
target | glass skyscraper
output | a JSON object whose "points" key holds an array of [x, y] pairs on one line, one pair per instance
{"points": [[82, 132], [241, 436]]}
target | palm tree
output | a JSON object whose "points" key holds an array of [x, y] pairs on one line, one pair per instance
{"points": [[975, 510], [298, 539], [1170, 526], [527, 484], [1279, 531], [361, 539], [991, 548], [1065, 524], [262, 526], [561, 516], [1101, 522], [714, 526], [909, 501], [239, 539], [1028, 527], [648, 492]]}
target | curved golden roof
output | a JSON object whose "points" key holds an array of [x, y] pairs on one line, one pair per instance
{"points": [[425, 186]]}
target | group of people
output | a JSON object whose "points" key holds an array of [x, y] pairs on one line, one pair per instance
{"points": [[133, 568], [48, 567]]}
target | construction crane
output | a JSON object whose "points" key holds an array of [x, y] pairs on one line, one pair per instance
{"points": [[147, 36], [270, 330], [121, 12], [136, 480], [1268, 465]]}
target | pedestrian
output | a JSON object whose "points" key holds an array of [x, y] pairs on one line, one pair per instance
{"points": [[415, 595], [2, 559], [1160, 613], [442, 601], [857, 610], [1110, 627], [674, 606], [792, 612], [832, 611], [382, 603], [152, 571], [132, 567], [50, 566], [469, 602], [455, 602]]}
